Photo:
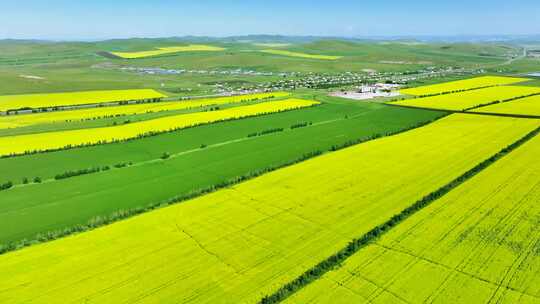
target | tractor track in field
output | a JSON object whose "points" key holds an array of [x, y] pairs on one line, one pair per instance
{"points": [[468, 112], [456, 270], [338, 258]]}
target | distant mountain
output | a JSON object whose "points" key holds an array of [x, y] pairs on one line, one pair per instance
{"points": [[514, 39]]}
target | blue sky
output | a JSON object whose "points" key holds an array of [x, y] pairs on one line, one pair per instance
{"points": [[100, 19]]}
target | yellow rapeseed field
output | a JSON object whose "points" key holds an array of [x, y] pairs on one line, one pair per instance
{"points": [[35, 101], [466, 84], [168, 50], [469, 99], [302, 55], [523, 106], [13, 121], [240, 243], [56, 140], [477, 244]]}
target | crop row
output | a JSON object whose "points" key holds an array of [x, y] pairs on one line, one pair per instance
{"points": [[28, 144], [236, 235]]}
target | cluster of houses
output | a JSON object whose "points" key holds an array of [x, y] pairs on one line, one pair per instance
{"points": [[364, 84], [373, 83], [243, 72]]}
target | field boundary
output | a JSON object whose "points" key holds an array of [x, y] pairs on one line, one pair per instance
{"points": [[150, 133], [335, 260], [467, 111], [106, 168], [120, 215]]}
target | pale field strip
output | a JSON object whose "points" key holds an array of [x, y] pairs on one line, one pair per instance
{"points": [[300, 55], [243, 242], [467, 84], [480, 243], [13, 145], [168, 50], [523, 106], [272, 45], [469, 99], [50, 100], [15, 121]]}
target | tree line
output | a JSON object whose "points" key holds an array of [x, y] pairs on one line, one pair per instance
{"points": [[355, 245], [123, 214], [149, 133]]}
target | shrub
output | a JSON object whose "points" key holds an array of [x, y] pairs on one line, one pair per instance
{"points": [[165, 155], [6, 185]]}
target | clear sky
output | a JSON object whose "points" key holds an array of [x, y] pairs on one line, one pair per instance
{"points": [[101, 19]]}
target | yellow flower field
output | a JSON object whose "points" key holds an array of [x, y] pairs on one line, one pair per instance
{"points": [[35, 101], [302, 55], [168, 50], [465, 100], [524, 106], [240, 243], [477, 244], [466, 84], [55, 140], [13, 121]]}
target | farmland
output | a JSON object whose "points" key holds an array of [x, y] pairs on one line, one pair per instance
{"points": [[189, 168], [112, 111], [235, 236], [38, 101], [226, 170], [462, 85], [168, 50], [480, 239], [470, 99], [14, 145], [523, 106], [301, 55]]}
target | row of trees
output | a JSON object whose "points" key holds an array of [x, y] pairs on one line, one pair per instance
{"points": [[501, 101], [301, 125], [6, 185], [123, 214], [146, 134], [454, 91], [69, 174], [356, 244], [265, 132]]}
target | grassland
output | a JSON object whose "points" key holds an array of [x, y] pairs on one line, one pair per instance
{"points": [[228, 153], [523, 106], [16, 145], [231, 246], [301, 55], [477, 244], [168, 50], [76, 67], [470, 99], [272, 45], [37, 101], [460, 85], [13, 121]]}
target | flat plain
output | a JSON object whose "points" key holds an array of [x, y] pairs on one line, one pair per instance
{"points": [[37, 101], [230, 245], [183, 196], [17, 121], [463, 101], [522, 106], [460, 85], [16, 145], [481, 239], [227, 150]]}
